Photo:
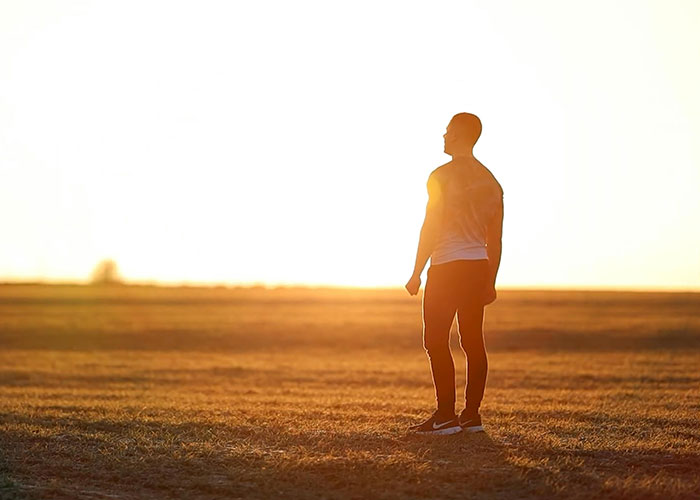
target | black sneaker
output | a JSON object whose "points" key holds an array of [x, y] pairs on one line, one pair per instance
{"points": [[470, 422], [437, 424]]}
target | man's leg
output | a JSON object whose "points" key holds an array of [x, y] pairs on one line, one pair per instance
{"points": [[470, 318], [439, 309]]}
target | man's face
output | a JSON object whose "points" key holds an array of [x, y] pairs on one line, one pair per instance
{"points": [[450, 140]]}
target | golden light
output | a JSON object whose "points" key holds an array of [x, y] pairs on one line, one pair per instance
{"points": [[234, 143]]}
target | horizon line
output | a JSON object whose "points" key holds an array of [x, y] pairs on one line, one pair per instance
{"points": [[320, 286]]}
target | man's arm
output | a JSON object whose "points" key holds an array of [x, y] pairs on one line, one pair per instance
{"points": [[494, 233], [428, 234]]}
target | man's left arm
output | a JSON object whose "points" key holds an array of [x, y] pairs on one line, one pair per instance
{"points": [[494, 234]]}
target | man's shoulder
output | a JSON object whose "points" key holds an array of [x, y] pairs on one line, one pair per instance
{"points": [[440, 172], [491, 178]]}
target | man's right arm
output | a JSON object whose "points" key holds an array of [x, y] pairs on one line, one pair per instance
{"points": [[429, 233]]}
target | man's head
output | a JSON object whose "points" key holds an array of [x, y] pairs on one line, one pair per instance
{"points": [[462, 133]]}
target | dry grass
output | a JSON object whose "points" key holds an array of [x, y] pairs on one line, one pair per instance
{"points": [[137, 392]]}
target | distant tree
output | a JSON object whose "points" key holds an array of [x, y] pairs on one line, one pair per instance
{"points": [[106, 273]]}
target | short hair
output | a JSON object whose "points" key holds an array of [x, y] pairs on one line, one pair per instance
{"points": [[466, 126]]}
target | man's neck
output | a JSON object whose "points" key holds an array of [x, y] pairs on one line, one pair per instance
{"points": [[464, 159]]}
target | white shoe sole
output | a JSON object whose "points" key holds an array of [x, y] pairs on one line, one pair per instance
{"points": [[441, 432], [476, 428]]}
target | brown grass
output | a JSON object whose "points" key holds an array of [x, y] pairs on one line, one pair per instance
{"points": [[139, 392]]}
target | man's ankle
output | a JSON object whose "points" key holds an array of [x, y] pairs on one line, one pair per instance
{"points": [[470, 412], [445, 413]]}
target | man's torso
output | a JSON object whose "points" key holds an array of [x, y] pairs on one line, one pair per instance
{"points": [[471, 197]]}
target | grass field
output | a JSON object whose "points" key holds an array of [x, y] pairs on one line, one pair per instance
{"points": [[141, 392]]}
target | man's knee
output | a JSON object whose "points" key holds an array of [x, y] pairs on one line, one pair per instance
{"points": [[434, 342], [472, 344]]}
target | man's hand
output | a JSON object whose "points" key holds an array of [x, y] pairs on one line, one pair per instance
{"points": [[413, 285]]}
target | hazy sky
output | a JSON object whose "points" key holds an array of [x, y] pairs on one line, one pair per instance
{"points": [[290, 142]]}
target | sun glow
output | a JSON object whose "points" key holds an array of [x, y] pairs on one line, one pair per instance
{"points": [[290, 143]]}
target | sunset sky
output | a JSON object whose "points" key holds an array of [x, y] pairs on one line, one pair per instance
{"points": [[290, 142]]}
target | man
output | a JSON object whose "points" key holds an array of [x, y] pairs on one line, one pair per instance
{"points": [[461, 235]]}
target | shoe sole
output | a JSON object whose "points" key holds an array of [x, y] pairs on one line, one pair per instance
{"points": [[475, 428], [441, 432]]}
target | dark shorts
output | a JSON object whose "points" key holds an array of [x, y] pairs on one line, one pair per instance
{"points": [[455, 285]]}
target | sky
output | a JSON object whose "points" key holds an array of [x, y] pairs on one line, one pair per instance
{"points": [[290, 142]]}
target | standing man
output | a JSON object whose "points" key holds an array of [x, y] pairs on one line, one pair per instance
{"points": [[461, 235]]}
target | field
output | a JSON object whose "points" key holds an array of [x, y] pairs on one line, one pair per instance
{"points": [[145, 392]]}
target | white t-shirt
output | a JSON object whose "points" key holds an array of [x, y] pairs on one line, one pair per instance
{"points": [[471, 198]]}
